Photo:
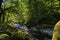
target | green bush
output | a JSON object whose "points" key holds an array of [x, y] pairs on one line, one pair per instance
{"points": [[13, 34], [21, 36], [4, 37]]}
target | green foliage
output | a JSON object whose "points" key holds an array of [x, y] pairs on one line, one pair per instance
{"points": [[21, 36], [9, 33], [43, 12], [4, 37], [26, 11], [30, 12]]}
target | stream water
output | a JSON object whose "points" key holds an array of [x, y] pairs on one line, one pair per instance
{"points": [[33, 31]]}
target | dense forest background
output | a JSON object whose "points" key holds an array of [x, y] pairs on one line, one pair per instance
{"points": [[35, 13], [31, 12]]}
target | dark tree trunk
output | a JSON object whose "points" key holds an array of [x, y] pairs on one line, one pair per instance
{"points": [[3, 16], [1, 11], [1, 3]]}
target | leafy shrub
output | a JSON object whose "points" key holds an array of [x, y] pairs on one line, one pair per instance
{"points": [[13, 34], [4, 37], [21, 36]]}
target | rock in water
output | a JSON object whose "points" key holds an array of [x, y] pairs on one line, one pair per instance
{"points": [[56, 32]]}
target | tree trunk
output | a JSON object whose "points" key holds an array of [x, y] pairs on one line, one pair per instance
{"points": [[1, 13], [3, 17]]}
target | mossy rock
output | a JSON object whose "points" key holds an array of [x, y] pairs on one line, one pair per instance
{"points": [[56, 32]]}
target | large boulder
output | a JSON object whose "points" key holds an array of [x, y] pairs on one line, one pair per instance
{"points": [[56, 32]]}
